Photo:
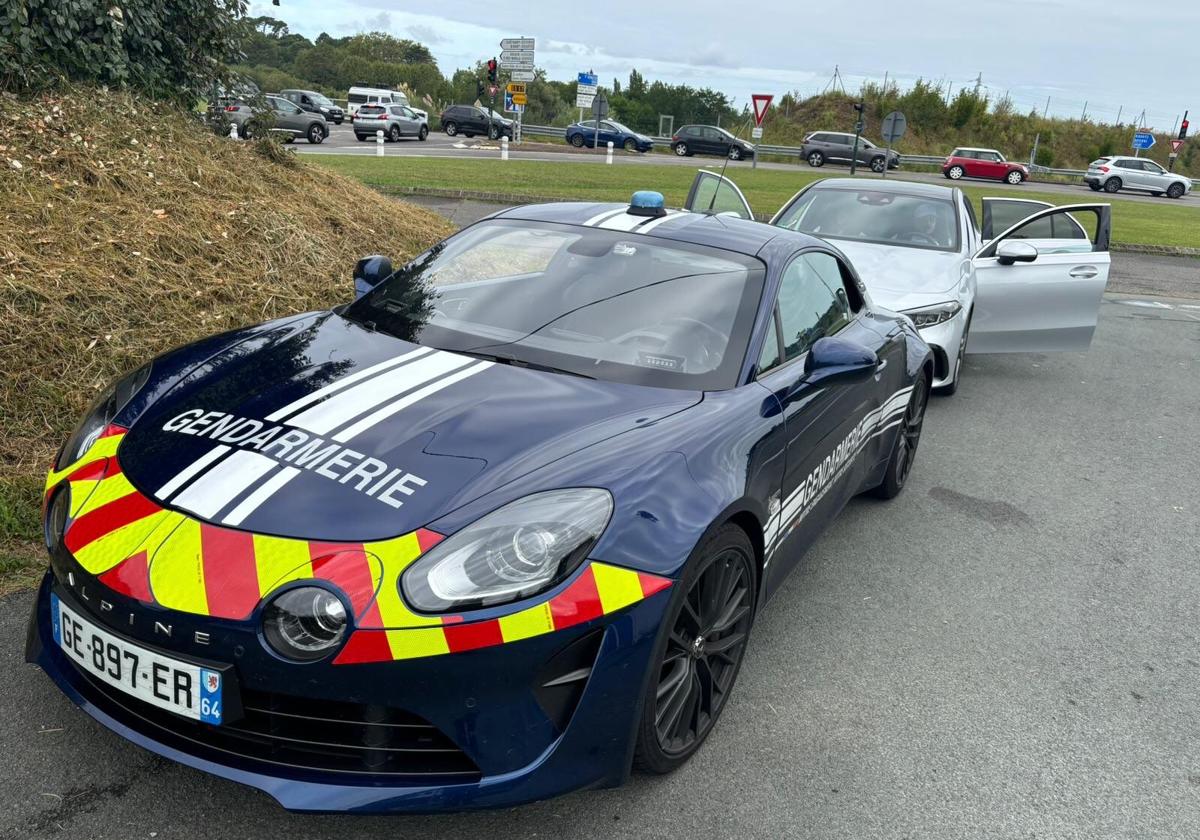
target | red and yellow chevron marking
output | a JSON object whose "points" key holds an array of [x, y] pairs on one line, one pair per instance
{"points": [[155, 555]]}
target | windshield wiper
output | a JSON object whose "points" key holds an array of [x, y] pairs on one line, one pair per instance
{"points": [[521, 363]]}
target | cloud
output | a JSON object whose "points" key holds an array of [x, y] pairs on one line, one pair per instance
{"points": [[425, 34]]}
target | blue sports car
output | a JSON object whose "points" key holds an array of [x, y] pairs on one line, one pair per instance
{"points": [[496, 530]]}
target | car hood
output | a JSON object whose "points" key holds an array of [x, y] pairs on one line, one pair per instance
{"points": [[324, 430], [893, 272]]}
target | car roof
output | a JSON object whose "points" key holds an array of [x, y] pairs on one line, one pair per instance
{"points": [[726, 232], [898, 187], [974, 149]]}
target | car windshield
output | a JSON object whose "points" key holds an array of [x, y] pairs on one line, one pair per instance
{"points": [[620, 127], [875, 216], [318, 99], [597, 303]]}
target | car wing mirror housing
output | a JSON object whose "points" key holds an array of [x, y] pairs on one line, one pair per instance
{"points": [[1009, 252], [369, 273], [833, 359]]}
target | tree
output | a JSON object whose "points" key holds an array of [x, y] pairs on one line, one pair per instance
{"points": [[169, 49]]}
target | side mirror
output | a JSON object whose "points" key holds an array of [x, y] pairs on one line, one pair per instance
{"points": [[1012, 251], [369, 273], [833, 359]]}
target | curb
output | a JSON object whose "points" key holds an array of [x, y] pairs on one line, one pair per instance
{"points": [[513, 198]]}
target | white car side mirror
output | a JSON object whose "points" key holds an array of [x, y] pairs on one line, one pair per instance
{"points": [[1011, 251]]}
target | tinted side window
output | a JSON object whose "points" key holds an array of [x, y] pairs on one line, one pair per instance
{"points": [[769, 357], [812, 302]]}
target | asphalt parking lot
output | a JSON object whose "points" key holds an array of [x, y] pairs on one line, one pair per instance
{"points": [[1010, 649], [341, 141]]}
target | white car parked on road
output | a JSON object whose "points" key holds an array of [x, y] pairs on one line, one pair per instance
{"points": [[1028, 279]]}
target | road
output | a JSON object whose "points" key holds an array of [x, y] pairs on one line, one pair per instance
{"points": [[1010, 649], [341, 141]]}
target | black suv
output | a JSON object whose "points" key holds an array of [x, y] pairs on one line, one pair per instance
{"points": [[709, 140], [316, 103], [838, 147], [469, 120]]}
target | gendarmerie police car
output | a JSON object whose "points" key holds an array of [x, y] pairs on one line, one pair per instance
{"points": [[496, 530]]}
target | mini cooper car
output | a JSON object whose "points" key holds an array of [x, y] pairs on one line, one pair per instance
{"points": [[495, 530], [983, 163], [1028, 278]]}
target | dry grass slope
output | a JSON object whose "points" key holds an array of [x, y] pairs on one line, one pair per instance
{"points": [[127, 229]]}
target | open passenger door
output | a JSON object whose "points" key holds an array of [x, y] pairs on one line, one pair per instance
{"points": [[1040, 281], [715, 194]]}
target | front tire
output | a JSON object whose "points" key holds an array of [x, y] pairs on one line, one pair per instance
{"points": [[735, 153], [316, 134], [630, 144], [955, 173], [877, 164], [1175, 191], [908, 435], [816, 159], [1014, 177], [681, 149], [423, 133], [699, 651], [1112, 185]]}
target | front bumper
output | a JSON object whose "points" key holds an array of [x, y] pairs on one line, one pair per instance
{"points": [[483, 701], [943, 341]]}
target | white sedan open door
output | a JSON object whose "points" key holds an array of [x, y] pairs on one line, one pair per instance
{"points": [[1039, 283], [715, 194]]}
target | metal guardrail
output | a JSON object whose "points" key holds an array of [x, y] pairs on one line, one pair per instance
{"points": [[796, 152]]}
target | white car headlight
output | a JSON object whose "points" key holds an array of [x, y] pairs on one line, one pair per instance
{"points": [[111, 401], [521, 549], [931, 316]]}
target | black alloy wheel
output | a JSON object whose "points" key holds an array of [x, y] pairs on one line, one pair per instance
{"points": [[1176, 190], [577, 141], [877, 164], [1112, 185], [698, 662], [908, 436]]}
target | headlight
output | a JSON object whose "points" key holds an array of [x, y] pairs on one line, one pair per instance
{"points": [[102, 412], [324, 110], [57, 514], [305, 623], [523, 548], [931, 316]]}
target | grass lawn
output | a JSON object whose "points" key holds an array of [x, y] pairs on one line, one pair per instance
{"points": [[1134, 222]]}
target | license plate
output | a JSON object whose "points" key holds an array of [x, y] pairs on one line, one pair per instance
{"points": [[172, 684]]}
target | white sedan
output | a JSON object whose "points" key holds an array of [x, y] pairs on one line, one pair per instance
{"points": [[919, 249]]}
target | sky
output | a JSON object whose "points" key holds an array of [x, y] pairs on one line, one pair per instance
{"points": [[1079, 54]]}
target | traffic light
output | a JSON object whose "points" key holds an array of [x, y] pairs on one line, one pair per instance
{"points": [[492, 66], [1183, 126], [478, 89]]}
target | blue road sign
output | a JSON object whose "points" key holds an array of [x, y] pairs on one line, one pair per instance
{"points": [[510, 107], [589, 79], [1143, 140]]}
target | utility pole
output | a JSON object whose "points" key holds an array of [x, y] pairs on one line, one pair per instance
{"points": [[949, 91], [978, 83], [1084, 117], [1046, 110], [1119, 110]]}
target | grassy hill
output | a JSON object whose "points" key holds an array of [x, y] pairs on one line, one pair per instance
{"points": [[126, 228]]}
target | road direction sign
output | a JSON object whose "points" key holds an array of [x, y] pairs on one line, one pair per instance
{"points": [[756, 132], [519, 98], [1143, 139], [588, 79], [508, 57], [510, 102], [893, 128], [521, 75], [584, 100], [516, 44], [515, 87], [762, 101], [1177, 144]]}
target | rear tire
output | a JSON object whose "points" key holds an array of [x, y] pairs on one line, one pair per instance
{"points": [[577, 141], [681, 149], [1093, 187], [1112, 185], [908, 435], [699, 652], [816, 159], [955, 173], [1176, 190], [361, 137], [493, 133], [394, 134], [451, 128]]}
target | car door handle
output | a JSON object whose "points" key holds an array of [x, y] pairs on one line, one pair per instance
{"points": [[879, 366], [1084, 271]]}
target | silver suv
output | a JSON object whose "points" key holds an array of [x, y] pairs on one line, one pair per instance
{"points": [[1120, 172], [395, 121]]}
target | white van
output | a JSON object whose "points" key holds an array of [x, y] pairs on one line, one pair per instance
{"points": [[378, 96]]}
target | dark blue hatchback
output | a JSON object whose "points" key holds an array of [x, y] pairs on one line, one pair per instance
{"points": [[584, 133]]}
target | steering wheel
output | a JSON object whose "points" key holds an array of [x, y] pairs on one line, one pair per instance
{"points": [[698, 352], [919, 238]]}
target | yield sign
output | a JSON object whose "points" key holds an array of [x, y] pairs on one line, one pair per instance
{"points": [[1175, 144], [762, 101]]}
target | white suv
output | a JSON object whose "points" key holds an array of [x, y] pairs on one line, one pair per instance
{"points": [[1120, 172]]}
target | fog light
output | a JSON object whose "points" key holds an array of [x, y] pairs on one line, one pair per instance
{"points": [[305, 623]]}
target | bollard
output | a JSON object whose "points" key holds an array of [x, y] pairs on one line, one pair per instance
{"points": [[504, 147], [379, 143], [608, 159], [233, 132]]}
